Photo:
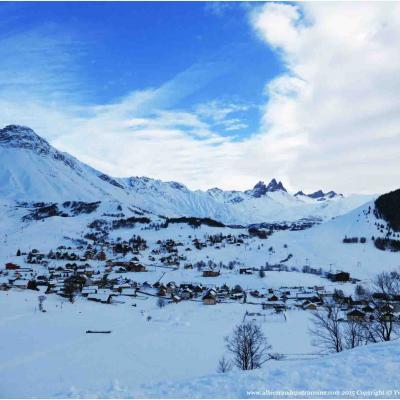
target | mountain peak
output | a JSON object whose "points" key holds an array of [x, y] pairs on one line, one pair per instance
{"points": [[332, 194], [274, 186], [316, 195], [260, 189], [22, 137]]}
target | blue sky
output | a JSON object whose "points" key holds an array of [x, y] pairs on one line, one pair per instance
{"points": [[211, 94], [113, 49]]}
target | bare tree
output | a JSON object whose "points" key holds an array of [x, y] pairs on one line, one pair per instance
{"points": [[249, 346], [224, 365], [383, 325], [354, 334], [327, 330], [388, 283]]}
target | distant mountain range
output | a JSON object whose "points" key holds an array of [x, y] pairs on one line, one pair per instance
{"points": [[32, 170]]}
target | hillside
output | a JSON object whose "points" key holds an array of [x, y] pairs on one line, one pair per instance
{"points": [[388, 208]]}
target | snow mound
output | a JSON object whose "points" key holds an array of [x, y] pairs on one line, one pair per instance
{"points": [[365, 372]]}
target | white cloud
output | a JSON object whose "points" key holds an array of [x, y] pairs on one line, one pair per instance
{"points": [[338, 103], [220, 114]]}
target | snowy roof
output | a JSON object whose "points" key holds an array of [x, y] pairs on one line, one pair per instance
{"points": [[307, 295], [274, 303], [100, 297], [128, 291], [91, 287], [20, 282], [88, 291], [121, 286]]}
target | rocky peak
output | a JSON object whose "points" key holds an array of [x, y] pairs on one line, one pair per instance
{"points": [[319, 194], [332, 194], [23, 137], [274, 186], [261, 189], [316, 195]]}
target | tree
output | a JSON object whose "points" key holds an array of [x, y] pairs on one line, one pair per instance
{"points": [[70, 289], [360, 292], [326, 329], [388, 283], [248, 346], [18, 252], [224, 365], [32, 285], [338, 295], [354, 334], [72, 285], [160, 302], [384, 324]]}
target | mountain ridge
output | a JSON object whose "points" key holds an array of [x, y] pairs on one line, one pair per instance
{"points": [[33, 170]]}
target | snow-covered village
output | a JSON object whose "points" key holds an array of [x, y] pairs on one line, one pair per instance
{"points": [[163, 244]]}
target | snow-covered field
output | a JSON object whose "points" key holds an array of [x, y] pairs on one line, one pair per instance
{"points": [[50, 355], [174, 354]]}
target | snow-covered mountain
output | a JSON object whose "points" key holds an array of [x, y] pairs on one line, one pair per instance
{"points": [[319, 195], [33, 170]]}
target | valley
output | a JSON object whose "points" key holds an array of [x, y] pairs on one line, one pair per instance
{"points": [[127, 287]]}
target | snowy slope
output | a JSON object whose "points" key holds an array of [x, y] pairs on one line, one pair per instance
{"points": [[56, 358], [322, 245], [319, 247], [32, 170], [364, 372], [172, 356]]}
